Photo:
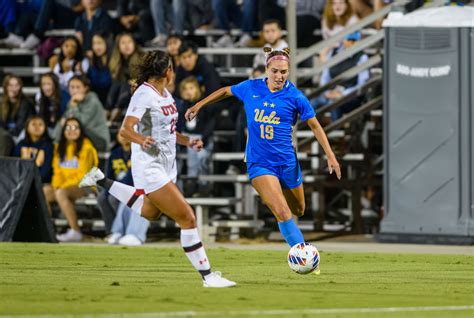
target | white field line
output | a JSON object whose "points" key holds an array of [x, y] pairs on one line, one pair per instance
{"points": [[279, 312]]}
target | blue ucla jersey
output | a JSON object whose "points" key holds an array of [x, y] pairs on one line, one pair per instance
{"points": [[270, 120]]}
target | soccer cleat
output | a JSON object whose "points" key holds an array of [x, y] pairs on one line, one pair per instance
{"points": [[91, 178], [70, 236], [317, 271], [215, 280]]}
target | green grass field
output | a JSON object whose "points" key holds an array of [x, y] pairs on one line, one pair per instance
{"points": [[48, 279]]}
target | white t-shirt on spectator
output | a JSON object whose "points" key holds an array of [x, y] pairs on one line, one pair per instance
{"points": [[65, 77]]}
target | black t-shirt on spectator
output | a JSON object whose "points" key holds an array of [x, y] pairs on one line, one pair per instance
{"points": [[101, 22], [204, 72]]}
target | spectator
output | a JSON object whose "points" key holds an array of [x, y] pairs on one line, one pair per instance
{"points": [[126, 227], [86, 107], [51, 101], [126, 53], [363, 8], [249, 22], [174, 10], [201, 127], [272, 9], [37, 146], [226, 12], [16, 107], [173, 43], [347, 86], [73, 157], [61, 12], [26, 13], [308, 19], [199, 14], [7, 18], [135, 17], [93, 20], [273, 38], [99, 73], [191, 64], [69, 62], [258, 72], [338, 14]]}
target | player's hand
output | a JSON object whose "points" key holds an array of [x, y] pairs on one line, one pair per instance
{"points": [[148, 143], [334, 166], [191, 113], [196, 144]]}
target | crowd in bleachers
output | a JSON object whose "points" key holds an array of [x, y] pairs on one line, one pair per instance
{"points": [[83, 98]]}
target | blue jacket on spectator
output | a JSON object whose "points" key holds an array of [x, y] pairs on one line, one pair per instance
{"points": [[26, 150], [101, 80], [119, 166]]}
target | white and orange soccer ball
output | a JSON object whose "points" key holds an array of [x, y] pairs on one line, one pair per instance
{"points": [[303, 258]]}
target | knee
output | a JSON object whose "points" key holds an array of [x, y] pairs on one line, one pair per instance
{"points": [[150, 215], [299, 209], [60, 194], [281, 212], [188, 221]]}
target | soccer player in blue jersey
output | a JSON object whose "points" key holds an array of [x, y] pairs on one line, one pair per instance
{"points": [[272, 105]]}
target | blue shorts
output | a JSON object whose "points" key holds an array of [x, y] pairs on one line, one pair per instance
{"points": [[289, 174]]}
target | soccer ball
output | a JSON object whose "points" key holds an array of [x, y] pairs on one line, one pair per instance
{"points": [[303, 258]]}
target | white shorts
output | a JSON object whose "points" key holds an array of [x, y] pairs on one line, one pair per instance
{"points": [[152, 173]]}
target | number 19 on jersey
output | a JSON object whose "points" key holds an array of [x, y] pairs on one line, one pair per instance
{"points": [[266, 131]]}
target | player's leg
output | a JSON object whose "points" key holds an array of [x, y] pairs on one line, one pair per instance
{"points": [[132, 197], [295, 199], [149, 211], [291, 181], [169, 199], [269, 189]]}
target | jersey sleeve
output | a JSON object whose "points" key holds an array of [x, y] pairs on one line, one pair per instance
{"points": [[241, 89], [304, 107], [137, 106]]}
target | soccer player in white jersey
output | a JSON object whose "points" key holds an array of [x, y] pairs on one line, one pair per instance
{"points": [[150, 124]]}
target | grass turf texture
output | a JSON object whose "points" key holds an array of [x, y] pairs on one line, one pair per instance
{"points": [[75, 279]]}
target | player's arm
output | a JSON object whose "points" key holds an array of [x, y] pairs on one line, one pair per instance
{"points": [[217, 96], [320, 135], [128, 132], [195, 143]]}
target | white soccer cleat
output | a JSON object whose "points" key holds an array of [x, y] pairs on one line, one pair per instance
{"points": [[91, 178], [215, 280]]}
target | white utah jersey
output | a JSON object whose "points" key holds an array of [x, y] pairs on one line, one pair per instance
{"points": [[157, 116]]}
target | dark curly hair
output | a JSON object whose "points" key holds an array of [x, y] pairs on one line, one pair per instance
{"points": [[153, 64], [269, 52]]}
